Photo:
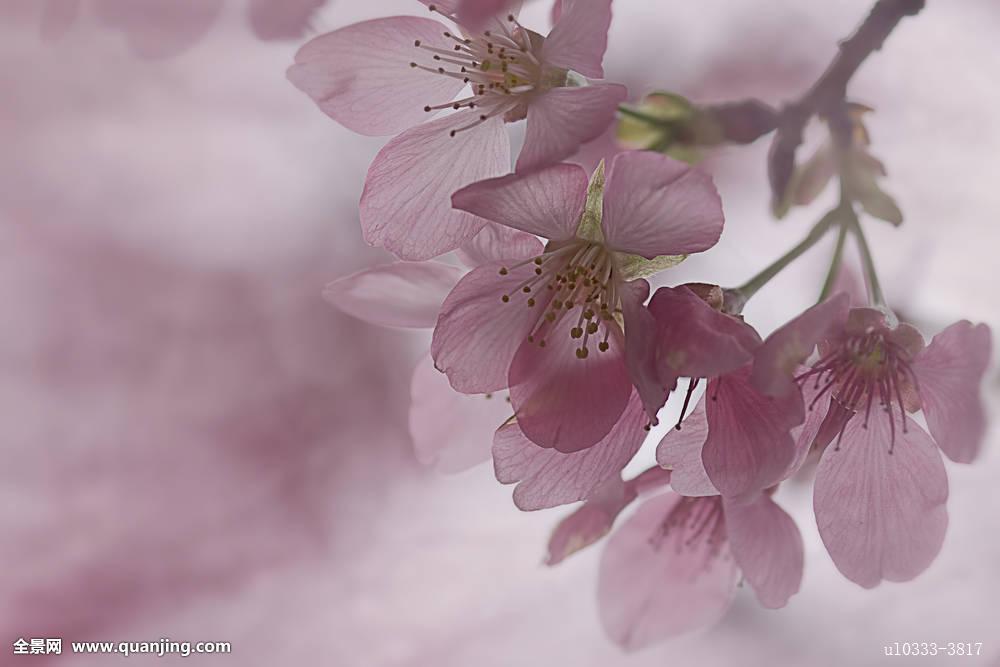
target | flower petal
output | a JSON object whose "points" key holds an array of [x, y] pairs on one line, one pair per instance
{"points": [[498, 242], [882, 516], [477, 333], [548, 202], [475, 13], [749, 446], [653, 586], [548, 478], [580, 37], [361, 76], [450, 430], [591, 522], [779, 358], [562, 119], [406, 204], [654, 205], [950, 372], [768, 547], [563, 401], [652, 380], [695, 340], [680, 452], [404, 294]]}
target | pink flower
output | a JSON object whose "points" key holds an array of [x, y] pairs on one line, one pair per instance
{"points": [[549, 328], [746, 442], [880, 492], [450, 430], [388, 75], [673, 567]]}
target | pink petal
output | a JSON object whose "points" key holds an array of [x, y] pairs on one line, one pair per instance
{"points": [[950, 372], [361, 76], [768, 547], [497, 242], [580, 37], [655, 205], [475, 13], [562, 401], [404, 294], [881, 516], [451, 431], [159, 28], [749, 446], [548, 478], [680, 452], [477, 334], [653, 381], [548, 203], [779, 358], [562, 119], [695, 340], [652, 587], [589, 523], [406, 203], [288, 19]]}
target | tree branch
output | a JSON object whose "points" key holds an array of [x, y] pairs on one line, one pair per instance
{"points": [[828, 95]]}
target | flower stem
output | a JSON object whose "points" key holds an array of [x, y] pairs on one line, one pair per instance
{"points": [[838, 257], [876, 297], [736, 298]]}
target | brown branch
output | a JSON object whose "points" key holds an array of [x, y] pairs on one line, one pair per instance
{"points": [[828, 95]]}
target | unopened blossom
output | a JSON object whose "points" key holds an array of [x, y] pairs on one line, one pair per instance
{"points": [[392, 75], [881, 487], [748, 445], [450, 430], [673, 567], [550, 328]]}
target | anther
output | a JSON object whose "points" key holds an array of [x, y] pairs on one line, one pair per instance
{"points": [[582, 352]]}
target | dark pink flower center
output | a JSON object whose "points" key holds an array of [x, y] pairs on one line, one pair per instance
{"points": [[577, 276], [500, 66], [861, 370]]}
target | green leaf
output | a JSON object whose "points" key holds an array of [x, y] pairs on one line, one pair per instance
{"points": [[593, 213], [633, 267]]}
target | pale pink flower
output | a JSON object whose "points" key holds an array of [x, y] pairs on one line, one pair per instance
{"points": [[747, 440], [673, 567], [549, 328], [384, 76], [450, 430], [881, 490]]}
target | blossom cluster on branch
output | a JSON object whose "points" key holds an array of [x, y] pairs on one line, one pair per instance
{"points": [[550, 355]]}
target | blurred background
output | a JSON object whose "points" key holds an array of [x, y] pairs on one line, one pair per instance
{"points": [[196, 446]]}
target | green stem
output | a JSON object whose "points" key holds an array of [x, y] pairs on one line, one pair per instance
{"points": [[838, 258], [876, 297], [737, 297]]}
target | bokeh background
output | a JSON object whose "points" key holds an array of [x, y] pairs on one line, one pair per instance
{"points": [[195, 446]]}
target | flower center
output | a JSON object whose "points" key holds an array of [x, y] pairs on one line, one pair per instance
{"points": [[693, 521], [499, 66], [862, 369], [578, 275]]}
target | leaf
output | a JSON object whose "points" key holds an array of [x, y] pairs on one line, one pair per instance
{"points": [[634, 267], [593, 213]]}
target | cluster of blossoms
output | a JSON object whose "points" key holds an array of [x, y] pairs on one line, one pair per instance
{"points": [[550, 355]]}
